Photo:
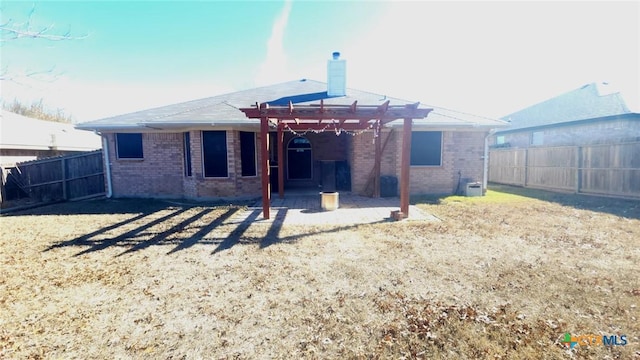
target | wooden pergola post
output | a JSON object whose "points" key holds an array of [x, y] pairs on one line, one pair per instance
{"points": [[405, 166], [264, 151], [280, 144], [377, 137]]}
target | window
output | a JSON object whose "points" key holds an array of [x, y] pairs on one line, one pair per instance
{"points": [[426, 148], [129, 145], [537, 138], [187, 154], [248, 153], [499, 139], [214, 153]]}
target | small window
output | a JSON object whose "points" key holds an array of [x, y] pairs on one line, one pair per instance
{"points": [[248, 153], [129, 145], [426, 148], [537, 138], [214, 153], [499, 139], [187, 154]]}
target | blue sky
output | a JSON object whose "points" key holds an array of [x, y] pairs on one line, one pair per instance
{"points": [[485, 58]]}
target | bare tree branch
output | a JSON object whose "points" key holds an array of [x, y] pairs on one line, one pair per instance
{"points": [[11, 30]]}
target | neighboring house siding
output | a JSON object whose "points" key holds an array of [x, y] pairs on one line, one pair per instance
{"points": [[600, 132]]}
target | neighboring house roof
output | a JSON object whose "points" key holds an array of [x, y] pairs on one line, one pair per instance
{"points": [[25, 133], [224, 110], [591, 101]]}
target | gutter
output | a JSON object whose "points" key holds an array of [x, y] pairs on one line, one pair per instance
{"points": [[107, 165], [485, 170]]}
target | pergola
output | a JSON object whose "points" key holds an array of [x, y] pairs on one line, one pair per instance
{"points": [[323, 117]]}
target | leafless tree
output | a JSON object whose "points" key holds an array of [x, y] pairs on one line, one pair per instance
{"points": [[10, 30]]}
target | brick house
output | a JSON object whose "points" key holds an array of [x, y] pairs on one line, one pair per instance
{"points": [[591, 114], [208, 148]]}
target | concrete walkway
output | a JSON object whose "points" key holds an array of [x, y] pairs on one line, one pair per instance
{"points": [[304, 209]]}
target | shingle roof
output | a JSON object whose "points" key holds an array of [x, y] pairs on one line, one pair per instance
{"points": [[224, 109], [587, 102], [21, 132]]}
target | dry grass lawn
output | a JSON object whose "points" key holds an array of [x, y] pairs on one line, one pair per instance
{"points": [[503, 276]]}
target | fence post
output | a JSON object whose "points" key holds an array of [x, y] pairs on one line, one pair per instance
{"points": [[64, 178], [578, 168], [526, 166]]}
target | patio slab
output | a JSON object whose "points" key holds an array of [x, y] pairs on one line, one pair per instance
{"points": [[304, 209]]}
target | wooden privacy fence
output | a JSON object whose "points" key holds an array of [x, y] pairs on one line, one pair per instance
{"points": [[70, 177], [603, 169]]}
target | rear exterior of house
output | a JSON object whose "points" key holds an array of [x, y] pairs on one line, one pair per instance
{"points": [[208, 148], [208, 164]]}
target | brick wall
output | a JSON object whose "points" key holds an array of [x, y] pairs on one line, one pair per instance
{"points": [[159, 174], [462, 151], [234, 185]]}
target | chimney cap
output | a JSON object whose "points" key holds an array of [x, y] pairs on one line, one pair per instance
{"points": [[336, 55]]}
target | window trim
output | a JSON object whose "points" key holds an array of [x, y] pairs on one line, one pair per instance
{"points": [[117, 148], [226, 137], [441, 150]]}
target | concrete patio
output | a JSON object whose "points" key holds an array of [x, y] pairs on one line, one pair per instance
{"points": [[303, 208]]}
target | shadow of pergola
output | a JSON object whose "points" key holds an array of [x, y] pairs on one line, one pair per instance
{"points": [[185, 226]]}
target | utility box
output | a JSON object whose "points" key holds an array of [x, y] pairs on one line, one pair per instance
{"points": [[473, 189]]}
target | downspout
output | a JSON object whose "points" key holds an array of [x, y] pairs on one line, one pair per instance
{"points": [[485, 175], [107, 165]]}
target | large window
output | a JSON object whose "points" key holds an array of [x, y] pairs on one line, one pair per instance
{"points": [[248, 153], [426, 148], [129, 145], [187, 154], [214, 153]]}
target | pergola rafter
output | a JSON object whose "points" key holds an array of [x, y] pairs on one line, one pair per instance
{"points": [[323, 117]]}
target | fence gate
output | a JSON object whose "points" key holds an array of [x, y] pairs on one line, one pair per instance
{"points": [[70, 177]]}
